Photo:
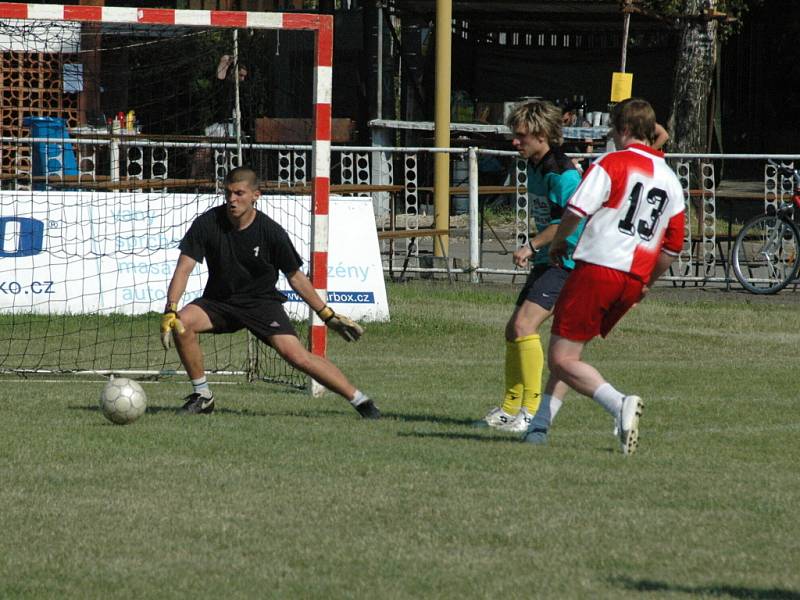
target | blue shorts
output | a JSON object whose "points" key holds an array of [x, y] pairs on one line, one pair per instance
{"points": [[543, 286]]}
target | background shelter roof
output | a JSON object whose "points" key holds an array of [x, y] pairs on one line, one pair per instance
{"points": [[487, 16], [514, 11]]}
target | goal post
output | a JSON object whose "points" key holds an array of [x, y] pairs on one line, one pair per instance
{"points": [[147, 183]]}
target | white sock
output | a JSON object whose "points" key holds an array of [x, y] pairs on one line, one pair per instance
{"points": [[609, 398], [201, 387], [547, 411], [358, 398]]}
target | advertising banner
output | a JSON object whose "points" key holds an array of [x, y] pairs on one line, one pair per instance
{"points": [[114, 252]]}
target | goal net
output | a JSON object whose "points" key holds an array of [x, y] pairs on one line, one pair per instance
{"points": [[118, 126]]}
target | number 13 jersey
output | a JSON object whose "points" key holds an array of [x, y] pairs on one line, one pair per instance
{"points": [[635, 209]]}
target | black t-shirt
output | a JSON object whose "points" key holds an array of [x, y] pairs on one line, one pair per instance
{"points": [[242, 265]]}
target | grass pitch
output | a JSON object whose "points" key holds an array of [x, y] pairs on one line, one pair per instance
{"points": [[281, 495]]}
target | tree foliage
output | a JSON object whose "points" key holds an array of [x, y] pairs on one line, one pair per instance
{"points": [[702, 24], [731, 13]]}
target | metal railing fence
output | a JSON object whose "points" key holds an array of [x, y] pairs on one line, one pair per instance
{"points": [[486, 185]]}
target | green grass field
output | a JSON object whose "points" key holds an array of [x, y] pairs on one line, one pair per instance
{"points": [[278, 495]]}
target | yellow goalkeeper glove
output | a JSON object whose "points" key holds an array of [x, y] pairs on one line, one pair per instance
{"points": [[344, 326], [170, 321]]}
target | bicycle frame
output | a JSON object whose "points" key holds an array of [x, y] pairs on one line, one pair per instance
{"points": [[795, 200]]}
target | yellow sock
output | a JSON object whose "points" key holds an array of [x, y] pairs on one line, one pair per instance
{"points": [[513, 397], [531, 359]]}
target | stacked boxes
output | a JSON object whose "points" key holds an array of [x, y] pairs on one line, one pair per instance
{"points": [[31, 84]]}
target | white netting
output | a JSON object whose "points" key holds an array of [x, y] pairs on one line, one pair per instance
{"points": [[113, 139]]}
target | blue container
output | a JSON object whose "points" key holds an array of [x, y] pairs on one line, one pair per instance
{"points": [[50, 158]]}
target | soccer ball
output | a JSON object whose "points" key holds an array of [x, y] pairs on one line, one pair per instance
{"points": [[123, 400]]}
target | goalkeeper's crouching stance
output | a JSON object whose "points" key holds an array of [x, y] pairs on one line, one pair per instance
{"points": [[244, 249]]}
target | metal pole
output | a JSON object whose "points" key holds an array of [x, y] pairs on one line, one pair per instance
{"points": [[113, 151], [625, 28], [238, 103], [379, 102], [441, 165], [474, 233]]}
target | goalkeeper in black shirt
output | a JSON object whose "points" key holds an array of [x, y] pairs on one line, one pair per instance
{"points": [[244, 249]]}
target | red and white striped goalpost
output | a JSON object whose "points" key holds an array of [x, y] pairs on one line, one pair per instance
{"points": [[321, 25]]}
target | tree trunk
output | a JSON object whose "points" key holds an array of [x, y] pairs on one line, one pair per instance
{"points": [[693, 78]]}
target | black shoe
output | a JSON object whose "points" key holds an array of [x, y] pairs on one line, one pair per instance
{"points": [[368, 410], [197, 404]]}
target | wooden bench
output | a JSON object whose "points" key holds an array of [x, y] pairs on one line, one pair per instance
{"points": [[483, 190], [342, 188], [413, 234]]}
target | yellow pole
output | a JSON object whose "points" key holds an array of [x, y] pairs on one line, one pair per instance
{"points": [[441, 137]]}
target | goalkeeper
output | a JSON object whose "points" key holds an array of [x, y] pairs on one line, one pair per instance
{"points": [[244, 250]]}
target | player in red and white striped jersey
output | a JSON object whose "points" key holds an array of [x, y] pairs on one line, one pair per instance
{"points": [[636, 205], [635, 209]]}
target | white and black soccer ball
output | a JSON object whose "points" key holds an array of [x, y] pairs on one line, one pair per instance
{"points": [[123, 400]]}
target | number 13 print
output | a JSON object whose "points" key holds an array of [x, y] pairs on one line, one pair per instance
{"points": [[656, 201]]}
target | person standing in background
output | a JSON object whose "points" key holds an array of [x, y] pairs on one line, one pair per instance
{"points": [[224, 94], [223, 98]]}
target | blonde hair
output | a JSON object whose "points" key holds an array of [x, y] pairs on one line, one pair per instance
{"points": [[538, 117], [635, 116]]}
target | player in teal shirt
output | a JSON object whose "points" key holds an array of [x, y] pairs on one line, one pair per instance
{"points": [[551, 179], [551, 182]]}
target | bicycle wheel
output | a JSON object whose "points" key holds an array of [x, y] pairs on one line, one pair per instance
{"points": [[766, 253]]}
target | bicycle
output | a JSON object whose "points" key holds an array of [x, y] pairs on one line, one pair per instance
{"points": [[766, 252]]}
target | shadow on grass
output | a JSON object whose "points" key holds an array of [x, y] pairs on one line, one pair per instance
{"points": [[647, 585], [166, 410], [474, 437], [304, 414], [324, 413], [438, 419]]}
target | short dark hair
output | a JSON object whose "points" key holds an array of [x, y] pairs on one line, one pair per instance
{"points": [[240, 174], [637, 117]]}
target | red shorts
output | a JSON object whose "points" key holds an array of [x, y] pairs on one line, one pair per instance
{"points": [[592, 300]]}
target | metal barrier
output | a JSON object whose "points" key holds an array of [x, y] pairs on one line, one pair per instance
{"points": [[399, 180]]}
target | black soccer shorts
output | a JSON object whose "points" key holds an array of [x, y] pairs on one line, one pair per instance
{"points": [[263, 319], [543, 286]]}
